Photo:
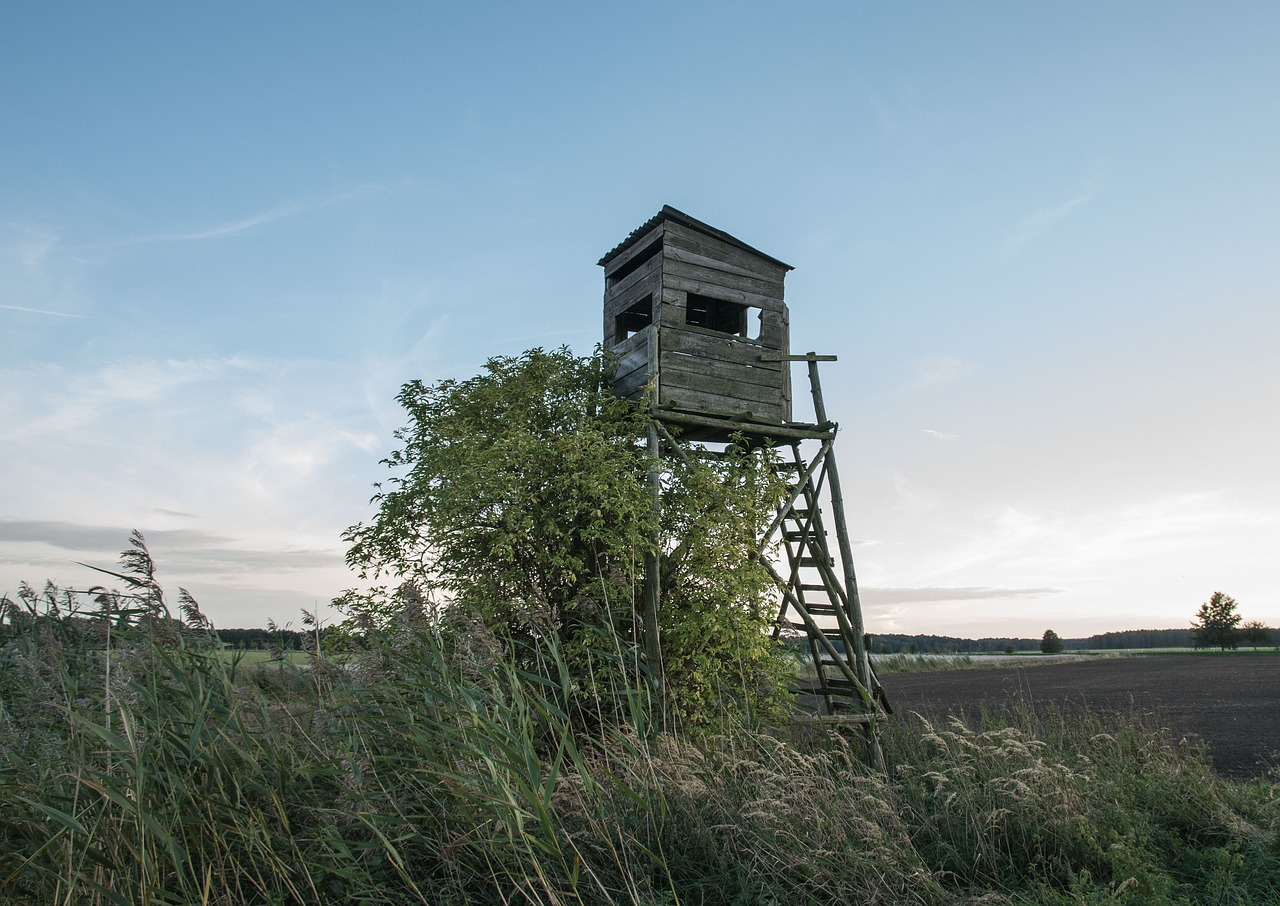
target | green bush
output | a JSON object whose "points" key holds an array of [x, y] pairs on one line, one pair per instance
{"points": [[524, 495]]}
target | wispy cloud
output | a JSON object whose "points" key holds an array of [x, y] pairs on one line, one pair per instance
{"points": [[218, 231], [1049, 546], [939, 434], [184, 550], [1045, 219], [939, 370], [910, 496], [67, 536], [41, 311], [161, 439], [57, 399], [891, 109], [33, 245], [37, 275], [231, 228], [1186, 522]]}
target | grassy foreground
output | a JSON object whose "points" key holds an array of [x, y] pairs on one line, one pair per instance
{"points": [[145, 768]]}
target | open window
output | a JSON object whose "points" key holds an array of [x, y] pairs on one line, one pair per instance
{"points": [[638, 260], [723, 316], [634, 319]]}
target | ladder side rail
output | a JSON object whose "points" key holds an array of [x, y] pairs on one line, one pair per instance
{"points": [[854, 605], [812, 541], [812, 544], [789, 506], [811, 625], [819, 671], [835, 593], [825, 563]]}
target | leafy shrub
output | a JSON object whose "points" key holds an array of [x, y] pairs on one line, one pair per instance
{"points": [[523, 495]]}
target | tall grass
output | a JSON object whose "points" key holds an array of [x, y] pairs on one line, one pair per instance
{"points": [[149, 769], [921, 663], [1066, 806]]}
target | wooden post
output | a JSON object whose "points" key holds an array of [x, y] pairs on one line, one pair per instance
{"points": [[652, 569]]}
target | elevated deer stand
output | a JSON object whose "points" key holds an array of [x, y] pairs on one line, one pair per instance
{"points": [[697, 321]]}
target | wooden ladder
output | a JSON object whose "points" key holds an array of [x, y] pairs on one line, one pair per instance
{"points": [[819, 596]]}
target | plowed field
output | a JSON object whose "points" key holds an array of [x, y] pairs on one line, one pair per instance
{"points": [[1232, 702]]}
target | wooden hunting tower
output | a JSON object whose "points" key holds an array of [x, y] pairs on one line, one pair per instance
{"points": [[692, 309], [696, 319]]}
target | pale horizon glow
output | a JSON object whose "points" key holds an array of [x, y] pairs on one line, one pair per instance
{"points": [[1041, 241]]}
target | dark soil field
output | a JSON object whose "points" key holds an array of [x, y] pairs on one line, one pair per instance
{"points": [[1231, 702]]}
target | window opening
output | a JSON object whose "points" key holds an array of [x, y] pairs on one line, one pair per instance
{"points": [[634, 319], [637, 261], [722, 315]]}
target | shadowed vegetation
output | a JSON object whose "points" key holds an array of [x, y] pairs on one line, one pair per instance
{"points": [[141, 766]]}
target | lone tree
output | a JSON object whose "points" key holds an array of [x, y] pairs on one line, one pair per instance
{"points": [[1215, 623], [523, 494], [1050, 643], [1256, 633]]}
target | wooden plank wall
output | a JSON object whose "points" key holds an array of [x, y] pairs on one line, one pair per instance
{"points": [[645, 280], [704, 370], [635, 364], [699, 369], [632, 371]]}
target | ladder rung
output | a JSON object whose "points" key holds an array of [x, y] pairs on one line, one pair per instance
{"points": [[820, 610], [816, 561], [800, 624], [796, 623], [803, 534], [831, 633]]}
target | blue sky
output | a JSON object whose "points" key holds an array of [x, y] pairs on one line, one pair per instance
{"points": [[1040, 237]]}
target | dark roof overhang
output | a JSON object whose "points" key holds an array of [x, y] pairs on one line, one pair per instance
{"points": [[670, 213]]}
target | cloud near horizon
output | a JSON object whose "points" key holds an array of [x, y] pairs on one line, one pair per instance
{"points": [[187, 549], [241, 473], [873, 596], [1048, 542]]}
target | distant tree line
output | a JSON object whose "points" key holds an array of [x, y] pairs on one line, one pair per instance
{"points": [[261, 639], [888, 643], [892, 643], [1137, 638]]}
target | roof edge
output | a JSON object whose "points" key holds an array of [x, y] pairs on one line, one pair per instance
{"points": [[680, 217]]}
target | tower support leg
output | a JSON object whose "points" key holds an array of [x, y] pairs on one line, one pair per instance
{"points": [[652, 571]]}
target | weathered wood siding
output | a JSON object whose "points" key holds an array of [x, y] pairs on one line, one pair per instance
{"points": [[697, 368], [632, 371]]}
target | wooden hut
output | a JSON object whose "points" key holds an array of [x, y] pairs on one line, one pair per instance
{"points": [[699, 315]]}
